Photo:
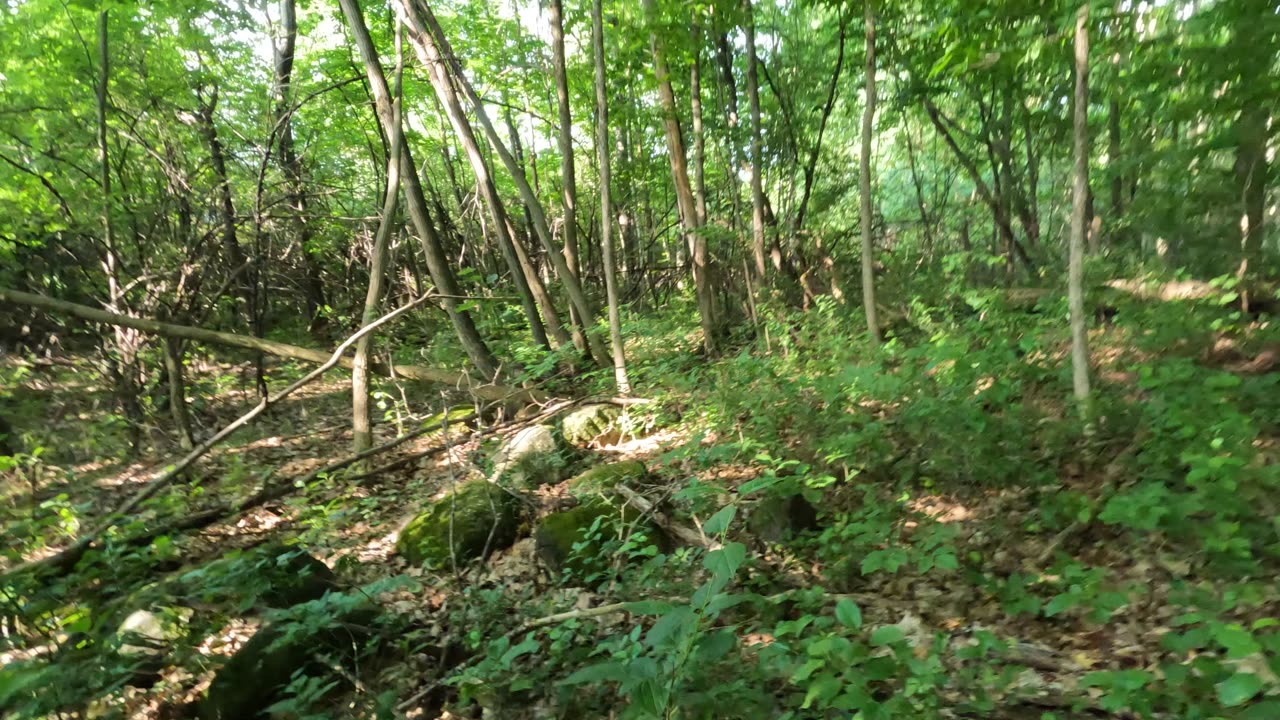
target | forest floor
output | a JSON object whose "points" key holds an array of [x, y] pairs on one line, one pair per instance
{"points": [[956, 503]]}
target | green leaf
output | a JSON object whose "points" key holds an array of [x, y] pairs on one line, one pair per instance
{"points": [[887, 635], [1238, 689], [716, 645], [821, 690], [523, 648], [758, 484], [724, 563], [649, 607], [848, 613], [610, 671], [719, 523], [1238, 641], [676, 623], [651, 697]]}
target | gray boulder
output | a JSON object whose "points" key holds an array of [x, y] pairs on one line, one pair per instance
{"points": [[529, 458]]}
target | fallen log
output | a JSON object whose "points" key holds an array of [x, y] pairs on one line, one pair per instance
{"points": [[484, 390]]}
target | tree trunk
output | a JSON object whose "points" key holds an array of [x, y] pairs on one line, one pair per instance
{"points": [[1079, 200], [926, 228], [291, 163], [568, 181], [433, 48], [361, 416], [524, 280], [173, 367], [999, 214], [757, 165], [699, 141], [437, 264], [864, 180], [606, 209], [812, 165], [685, 202]]}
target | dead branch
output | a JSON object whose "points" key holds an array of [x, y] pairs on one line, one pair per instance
{"points": [[68, 557], [462, 381]]}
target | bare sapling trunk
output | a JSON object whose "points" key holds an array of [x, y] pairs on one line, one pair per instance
{"points": [[433, 49], [568, 180], [685, 202], [606, 207], [415, 201], [864, 181], [1079, 208], [757, 167], [361, 416]]}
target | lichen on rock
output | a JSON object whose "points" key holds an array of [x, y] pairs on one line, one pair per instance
{"points": [[592, 424]]}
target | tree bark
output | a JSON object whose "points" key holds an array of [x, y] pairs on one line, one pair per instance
{"points": [[606, 207], [568, 180], [757, 165], [864, 180], [433, 48], [291, 163], [812, 165], [525, 279], [462, 381], [437, 263], [361, 416], [1079, 200], [685, 203], [999, 215], [699, 139]]}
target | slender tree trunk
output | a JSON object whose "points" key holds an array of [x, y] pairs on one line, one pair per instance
{"points": [[699, 141], [173, 367], [1251, 169], [568, 180], [568, 176], [1000, 215], [291, 163], [1114, 149], [606, 208], [125, 361], [811, 166], [757, 164], [685, 202], [438, 76], [433, 48], [361, 416], [1079, 199], [437, 263], [864, 180], [926, 227]]}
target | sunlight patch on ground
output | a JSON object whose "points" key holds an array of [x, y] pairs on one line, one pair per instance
{"points": [[941, 509]]}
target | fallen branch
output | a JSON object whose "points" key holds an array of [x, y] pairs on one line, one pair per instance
{"points": [[68, 557], [462, 381], [683, 533]]}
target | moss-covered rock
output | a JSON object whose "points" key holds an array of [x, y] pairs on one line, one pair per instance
{"points": [[592, 424], [530, 458], [274, 575], [291, 575], [478, 514], [254, 676], [602, 478], [558, 532]]}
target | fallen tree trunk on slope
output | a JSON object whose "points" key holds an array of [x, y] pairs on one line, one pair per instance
{"points": [[461, 381]]}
